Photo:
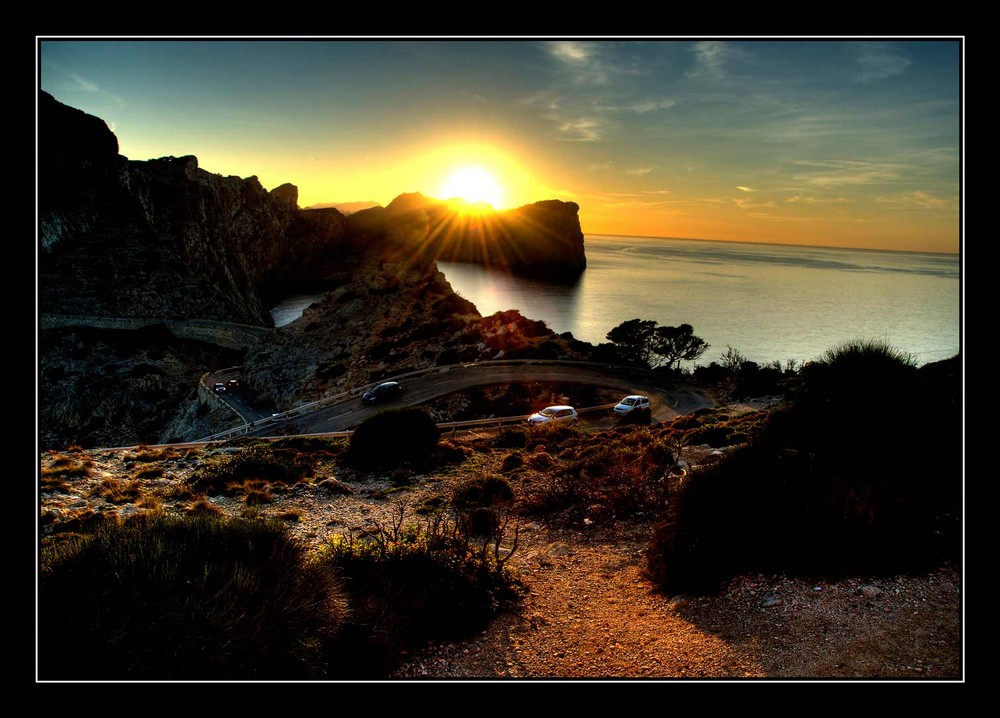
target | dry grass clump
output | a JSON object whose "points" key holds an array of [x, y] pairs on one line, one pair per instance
{"points": [[290, 515], [146, 453], [227, 474], [204, 506], [118, 491], [69, 467], [54, 484], [149, 472], [256, 493], [150, 502]]}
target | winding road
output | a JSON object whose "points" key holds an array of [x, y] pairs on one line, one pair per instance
{"points": [[347, 411]]}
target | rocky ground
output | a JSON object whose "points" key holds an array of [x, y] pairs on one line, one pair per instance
{"points": [[590, 611]]}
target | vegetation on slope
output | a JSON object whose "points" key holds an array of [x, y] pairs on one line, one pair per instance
{"points": [[822, 485]]}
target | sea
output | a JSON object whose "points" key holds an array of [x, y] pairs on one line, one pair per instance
{"points": [[769, 302]]}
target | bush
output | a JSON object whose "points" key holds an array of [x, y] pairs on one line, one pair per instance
{"points": [[480, 504], [615, 473], [839, 480], [512, 461], [228, 474], [393, 438], [511, 439], [193, 598], [410, 585]]}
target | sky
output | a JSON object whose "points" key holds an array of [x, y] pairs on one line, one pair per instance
{"points": [[853, 142]]}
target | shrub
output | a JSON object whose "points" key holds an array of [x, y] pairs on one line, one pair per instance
{"points": [[838, 480], [68, 467], [393, 438], [642, 417], [511, 439], [309, 445], [512, 461], [119, 491], [228, 474], [181, 598], [412, 584], [480, 504], [448, 452]]}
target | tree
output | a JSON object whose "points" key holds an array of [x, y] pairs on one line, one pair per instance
{"points": [[642, 342], [634, 340], [674, 344]]}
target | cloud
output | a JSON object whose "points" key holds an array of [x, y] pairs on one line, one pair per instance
{"points": [[583, 60], [86, 85], [879, 61], [741, 188], [584, 129], [635, 203], [569, 51], [645, 106], [711, 58], [815, 200], [640, 171], [543, 101], [606, 165], [834, 173], [749, 204], [918, 198]]}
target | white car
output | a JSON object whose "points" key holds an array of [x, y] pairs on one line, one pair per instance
{"points": [[632, 402], [555, 415]]}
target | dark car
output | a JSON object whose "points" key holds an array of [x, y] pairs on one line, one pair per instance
{"points": [[383, 392]]}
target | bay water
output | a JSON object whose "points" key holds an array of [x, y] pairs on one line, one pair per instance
{"points": [[769, 302]]}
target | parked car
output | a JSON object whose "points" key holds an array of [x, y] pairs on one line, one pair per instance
{"points": [[632, 402], [383, 392], [219, 386], [554, 414]]}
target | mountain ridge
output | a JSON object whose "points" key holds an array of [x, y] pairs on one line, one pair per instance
{"points": [[164, 238]]}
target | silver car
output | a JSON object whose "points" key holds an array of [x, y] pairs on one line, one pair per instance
{"points": [[632, 402], [554, 414]]}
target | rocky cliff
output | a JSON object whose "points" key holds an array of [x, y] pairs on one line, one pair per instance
{"points": [[542, 240], [160, 238], [166, 239]]}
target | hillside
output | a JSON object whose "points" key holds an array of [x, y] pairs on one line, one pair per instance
{"points": [[165, 239], [590, 607]]}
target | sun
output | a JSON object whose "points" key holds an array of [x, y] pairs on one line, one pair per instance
{"points": [[473, 184]]}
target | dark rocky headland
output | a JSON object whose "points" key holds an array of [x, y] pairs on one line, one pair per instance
{"points": [[131, 250]]}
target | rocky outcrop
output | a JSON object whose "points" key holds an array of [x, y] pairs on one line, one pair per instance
{"points": [[118, 387], [542, 240], [159, 238], [163, 243]]}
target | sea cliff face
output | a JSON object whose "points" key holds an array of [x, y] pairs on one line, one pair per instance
{"points": [[542, 240], [161, 238], [164, 239]]}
